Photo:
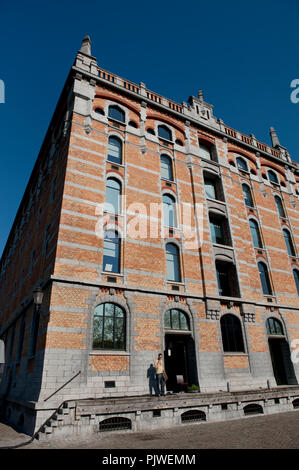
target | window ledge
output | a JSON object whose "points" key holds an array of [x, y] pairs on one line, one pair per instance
{"points": [[177, 332], [121, 165], [116, 120], [218, 245], [235, 354], [216, 200], [167, 180], [176, 283], [102, 352]]}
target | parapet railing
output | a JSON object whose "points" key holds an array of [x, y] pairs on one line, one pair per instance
{"points": [[172, 105]]}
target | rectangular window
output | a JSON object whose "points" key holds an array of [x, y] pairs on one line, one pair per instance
{"points": [[211, 189], [217, 232], [205, 152], [111, 255]]}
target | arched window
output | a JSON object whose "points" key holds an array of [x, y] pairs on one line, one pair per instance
{"points": [[289, 242], [265, 280], [111, 258], [242, 164], [99, 111], [247, 195], [173, 263], [166, 167], [109, 326], [151, 131], [133, 124], [255, 233], [169, 211], [205, 152], [164, 133], [296, 279], [272, 177], [176, 320], [231, 331], [113, 191], [274, 327], [279, 206], [115, 150], [115, 112]]}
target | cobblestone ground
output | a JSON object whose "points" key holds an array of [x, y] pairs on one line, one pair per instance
{"points": [[277, 431]]}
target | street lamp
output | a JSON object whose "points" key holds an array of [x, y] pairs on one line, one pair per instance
{"points": [[38, 297]]}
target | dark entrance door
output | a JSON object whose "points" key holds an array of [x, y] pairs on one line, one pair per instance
{"points": [[277, 361], [179, 359], [281, 361]]}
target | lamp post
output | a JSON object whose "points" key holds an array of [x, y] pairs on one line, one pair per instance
{"points": [[38, 296], [37, 300]]}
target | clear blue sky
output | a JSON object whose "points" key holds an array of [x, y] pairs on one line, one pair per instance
{"points": [[242, 54]]}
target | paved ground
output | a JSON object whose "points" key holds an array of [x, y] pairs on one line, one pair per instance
{"points": [[277, 431]]}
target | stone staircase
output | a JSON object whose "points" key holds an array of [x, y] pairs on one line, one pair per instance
{"points": [[63, 417]]}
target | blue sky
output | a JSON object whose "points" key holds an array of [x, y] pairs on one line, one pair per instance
{"points": [[242, 54]]}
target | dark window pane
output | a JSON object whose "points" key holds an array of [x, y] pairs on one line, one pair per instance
{"points": [[114, 150], [175, 319], [231, 331], [247, 195], [166, 167], [296, 277], [289, 243], [111, 259], [217, 232], [116, 113], [164, 133], [183, 322], [173, 263], [255, 233], [167, 320], [272, 177], [169, 212], [265, 281], [211, 188], [113, 189], [274, 327], [223, 282], [109, 327], [242, 164], [279, 206]]}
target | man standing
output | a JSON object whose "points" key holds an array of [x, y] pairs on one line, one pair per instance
{"points": [[160, 375]]}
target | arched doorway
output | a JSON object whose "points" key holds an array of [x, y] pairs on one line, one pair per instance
{"points": [[179, 355], [280, 353]]}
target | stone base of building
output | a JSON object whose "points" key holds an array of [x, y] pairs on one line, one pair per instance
{"points": [[84, 417]]}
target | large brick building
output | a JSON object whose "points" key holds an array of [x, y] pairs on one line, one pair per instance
{"points": [[148, 226]]}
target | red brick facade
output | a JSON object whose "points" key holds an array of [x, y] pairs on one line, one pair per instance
{"points": [[53, 243]]}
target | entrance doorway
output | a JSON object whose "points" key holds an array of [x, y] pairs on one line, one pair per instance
{"points": [[179, 360], [281, 361], [283, 368]]}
